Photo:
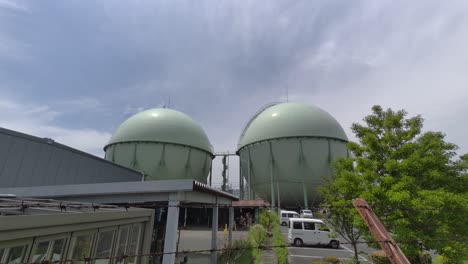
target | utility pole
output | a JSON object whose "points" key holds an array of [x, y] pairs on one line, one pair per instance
{"points": [[391, 248]]}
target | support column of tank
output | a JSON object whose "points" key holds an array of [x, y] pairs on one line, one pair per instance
{"points": [[248, 178], [306, 202], [211, 174], [241, 181], [272, 162]]}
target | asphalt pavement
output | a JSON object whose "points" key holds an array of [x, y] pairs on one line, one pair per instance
{"points": [[307, 254]]}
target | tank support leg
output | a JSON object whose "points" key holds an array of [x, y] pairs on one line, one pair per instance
{"points": [[306, 202], [272, 187]]}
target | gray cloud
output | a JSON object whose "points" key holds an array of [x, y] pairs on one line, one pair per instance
{"points": [[221, 61]]}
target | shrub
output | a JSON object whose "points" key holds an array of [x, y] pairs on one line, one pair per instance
{"points": [[280, 248], [238, 252], [331, 260], [379, 257], [257, 238]]}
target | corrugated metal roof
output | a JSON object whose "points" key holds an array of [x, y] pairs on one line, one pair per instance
{"points": [[27, 160]]}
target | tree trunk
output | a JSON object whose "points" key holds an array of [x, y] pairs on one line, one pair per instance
{"points": [[356, 256]]}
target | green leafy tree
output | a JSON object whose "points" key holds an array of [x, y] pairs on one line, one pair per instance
{"points": [[411, 179], [338, 194]]}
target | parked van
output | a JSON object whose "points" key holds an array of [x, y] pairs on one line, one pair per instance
{"points": [[306, 213], [310, 232], [286, 215]]}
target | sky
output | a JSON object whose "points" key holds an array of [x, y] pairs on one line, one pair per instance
{"points": [[73, 71]]}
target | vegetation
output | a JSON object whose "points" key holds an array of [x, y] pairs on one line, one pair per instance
{"points": [[379, 257], [328, 260], [238, 252], [270, 221], [257, 237], [412, 180]]}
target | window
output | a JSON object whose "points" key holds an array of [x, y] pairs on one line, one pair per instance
{"points": [[81, 248], [40, 251], [122, 242], [284, 215], [309, 226], [58, 249], [49, 249], [104, 246], [290, 215], [297, 225], [322, 227], [16, 254], [134, 243]]}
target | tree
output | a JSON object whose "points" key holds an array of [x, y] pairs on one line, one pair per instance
{"points": [[411, 179], [338, 193]]}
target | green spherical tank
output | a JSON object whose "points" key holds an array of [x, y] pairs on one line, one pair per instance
{"points": [[163, 144], [286, 150]]}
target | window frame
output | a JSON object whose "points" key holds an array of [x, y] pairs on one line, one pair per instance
{"points": [[7, 245], [113, 243], [71, 245], [50, 238], [298, 222]]}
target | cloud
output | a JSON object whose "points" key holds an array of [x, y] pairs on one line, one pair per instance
{"points": [[92, 64], [40, 121]]}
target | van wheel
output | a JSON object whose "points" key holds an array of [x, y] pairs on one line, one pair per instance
{"points": [[298, 242], [334, 244], [283, 224]]}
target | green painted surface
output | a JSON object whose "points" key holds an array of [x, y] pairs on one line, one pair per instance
{"points": [[291, 120], [294, 167], [162, 161], [163, 144], [301, 142], [162, 125]]}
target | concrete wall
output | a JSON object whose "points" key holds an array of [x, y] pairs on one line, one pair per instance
{"points": [[31, 161]]}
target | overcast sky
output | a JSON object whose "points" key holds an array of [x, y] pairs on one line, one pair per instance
{"points": [[74, 70]]}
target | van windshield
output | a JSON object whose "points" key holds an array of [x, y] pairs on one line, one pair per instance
{"points": [[307, 212]]}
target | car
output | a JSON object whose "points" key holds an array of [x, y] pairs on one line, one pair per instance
{"points": [[286, 215], [306, 213], [304, 231]]}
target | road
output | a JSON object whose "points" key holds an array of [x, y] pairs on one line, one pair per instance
{"points": [[307, 254]]}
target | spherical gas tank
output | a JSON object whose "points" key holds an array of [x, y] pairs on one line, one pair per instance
{"points": [[286, 151], [163, 144]]}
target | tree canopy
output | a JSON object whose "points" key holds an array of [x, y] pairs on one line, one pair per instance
{"points": [[412, 179]]}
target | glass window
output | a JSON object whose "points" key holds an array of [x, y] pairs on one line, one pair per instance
{"points": [[81, 248], [122, 242], [40, 251], [322, 227], [290, 215], [284, 215], [134, 243], [58, 249], [309, 226], [16, 254], [104, 246], [297, 225]]}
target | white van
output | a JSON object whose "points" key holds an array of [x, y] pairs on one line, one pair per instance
{"points": [[286, 215], [306, 213], [310, 232]]}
